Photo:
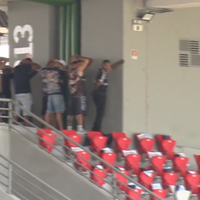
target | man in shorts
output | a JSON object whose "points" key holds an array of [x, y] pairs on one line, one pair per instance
{"points": [[77, 105], [23, 73], [53, 77]]}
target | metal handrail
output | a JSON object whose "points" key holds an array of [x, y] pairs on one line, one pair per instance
{"points": [[32, 176], [78, 145]]}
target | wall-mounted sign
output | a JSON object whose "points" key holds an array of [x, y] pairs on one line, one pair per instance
{"points": [[134, 54]]}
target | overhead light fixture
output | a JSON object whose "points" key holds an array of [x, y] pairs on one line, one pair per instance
{"points": [[147, 17]]}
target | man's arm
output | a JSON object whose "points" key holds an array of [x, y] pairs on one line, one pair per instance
{"points": [[120, 62], [85, 62], [35, 66], [3, 62]]}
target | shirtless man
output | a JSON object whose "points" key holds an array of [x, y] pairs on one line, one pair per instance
{"points": [[77, 67]]}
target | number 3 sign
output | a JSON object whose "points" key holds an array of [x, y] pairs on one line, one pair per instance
{"points": [[18, 33]]}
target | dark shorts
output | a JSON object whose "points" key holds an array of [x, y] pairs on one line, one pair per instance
{"points": [[44, 105], [84, 105], [3, 105], [77, 106]]}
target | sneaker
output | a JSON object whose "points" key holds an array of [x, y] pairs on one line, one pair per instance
{"points": [[81, 132]]}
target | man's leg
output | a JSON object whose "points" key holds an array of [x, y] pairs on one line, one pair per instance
{"points": [[26, 101], [59, 106], [100, 103], [70, 117], [79, 115], [17, 110], [84, 108]]}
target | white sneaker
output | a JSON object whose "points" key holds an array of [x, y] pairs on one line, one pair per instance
{"points": [[81, 132]]}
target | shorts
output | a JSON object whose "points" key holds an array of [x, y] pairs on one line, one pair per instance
{"points": [[55, 103], [75, 106], [84, 105], [25, 100], [44, 104]]}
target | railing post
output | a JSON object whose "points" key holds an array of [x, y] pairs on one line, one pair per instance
{"points": [[114, 183], [10, 106], [10, 179]]}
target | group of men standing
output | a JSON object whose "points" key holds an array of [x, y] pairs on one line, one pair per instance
{"points": [[53, 77]]}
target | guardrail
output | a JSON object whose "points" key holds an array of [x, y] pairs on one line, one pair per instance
{"points": [[12, 169], [115, 190]]}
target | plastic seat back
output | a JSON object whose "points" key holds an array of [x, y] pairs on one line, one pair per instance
{"points": [[98, 176], [158, 163], [159, 192], [147, 144], [180, 165], [168, 147], [76, 138], [197, 159], [92, 134], [146, 178], [121, 180], [41, 132], [110, 158], [192, 182], [169, 179], [99, 143], [132, 162], [122, 143], [135, 194], [82, 160], [49, 141], [69, 132], [116, 135]]}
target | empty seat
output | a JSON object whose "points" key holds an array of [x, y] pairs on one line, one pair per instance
{"points": [[98, 175], [121, 180], [40, 133], [82, 160], [122, 143], [109, 158], [192, 182], [180, 163], [98, 143], [76, 138], [146, 142], [146, 178], [135, 194], [158, 164], [169, 180], [49, 141], [132, 163], [197, 158]]}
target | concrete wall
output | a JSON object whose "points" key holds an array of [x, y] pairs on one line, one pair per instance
{"points": [[42, 18], [164, 98], [102, 39]]}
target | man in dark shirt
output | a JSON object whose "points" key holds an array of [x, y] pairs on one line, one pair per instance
{"points": [[99, 91], [23, 73], [52, 78]]}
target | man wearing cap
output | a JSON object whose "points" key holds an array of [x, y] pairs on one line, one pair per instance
{"points": [[23, 73], [52, 79], [76, 70]]}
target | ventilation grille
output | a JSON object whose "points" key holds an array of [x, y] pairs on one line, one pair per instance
{"points": [[189, 53]]}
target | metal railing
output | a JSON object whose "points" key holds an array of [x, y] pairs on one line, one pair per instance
{"points": [[115, 192], [15, 185]]}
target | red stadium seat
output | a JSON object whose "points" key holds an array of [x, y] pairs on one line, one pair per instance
{"points": [[82, 160], [40, 133], [192, 182], [98, 175], [76, 138], [109, 158], [146, 143], [98, 143], [91, 134], [116, 135], [146, 178], [169, 179], [157, 164], [159, 192], [197, 158], [121, 180], [180, 165], [49, 141], [132, 163], [69, 132], [135, 194], [122, 143]]}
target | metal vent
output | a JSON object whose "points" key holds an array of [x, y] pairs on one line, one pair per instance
{"points": [[189, 53], [184, 60], [194, 47]]}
